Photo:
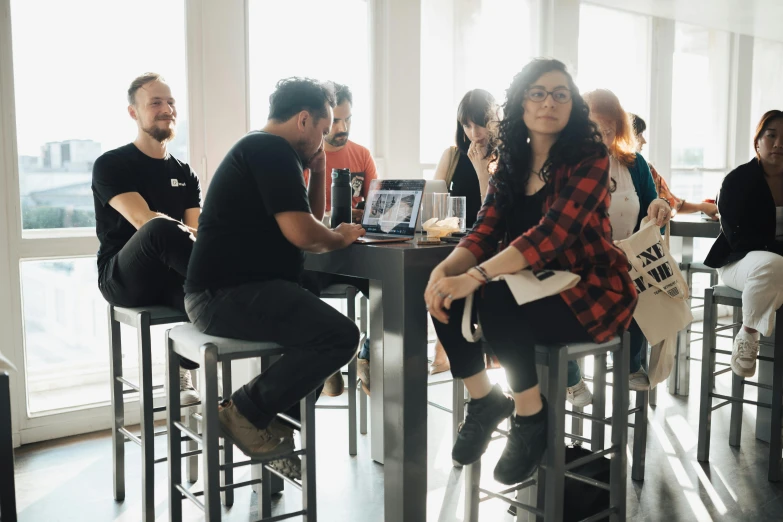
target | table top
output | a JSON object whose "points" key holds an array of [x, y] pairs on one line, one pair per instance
{"points": [[694, 225]]}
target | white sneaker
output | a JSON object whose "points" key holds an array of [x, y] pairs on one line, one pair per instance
{"points": [[579, 394], [639, 381], [187, 393], [744, 353]]}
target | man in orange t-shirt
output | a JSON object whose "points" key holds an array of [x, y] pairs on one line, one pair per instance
{"points": [[342, 153]]}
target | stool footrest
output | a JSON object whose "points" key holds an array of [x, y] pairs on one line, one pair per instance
{"points": [[579, 438], [158, 409], [744, 401], [720, 405], [131, 436], [600, 420], [187, 431], [331, 407], [438, 406], [236, 485], [161, 459], [603, 515], [587, 480], [126, 382], [290, 420], [286, 516], [186, 454], [518, 505], [234, 465], [758, 385], [191, 496], [589, 458]]}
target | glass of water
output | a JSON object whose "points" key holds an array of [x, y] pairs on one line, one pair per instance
{"points": [[434, 205], [457, 209]]}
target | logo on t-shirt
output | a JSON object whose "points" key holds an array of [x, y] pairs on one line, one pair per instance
{"points": [[357, 184], [176, 183]]}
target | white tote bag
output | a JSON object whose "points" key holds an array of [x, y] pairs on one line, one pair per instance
{"points": [[526, 286], [663, 309]]}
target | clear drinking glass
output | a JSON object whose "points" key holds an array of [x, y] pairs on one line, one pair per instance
{"points": [[457, 209], [434, 205]]}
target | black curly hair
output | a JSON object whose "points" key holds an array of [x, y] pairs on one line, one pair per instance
{"points": [[579, 138]]}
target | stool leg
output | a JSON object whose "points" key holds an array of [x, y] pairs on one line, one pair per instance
{"points": [[555, 453], [707, 376], [472, 483], [352, 391], [227, 455], [308, 462], [191, 463], [598, 430], [619, 462], [738, 391], [777, 396], [172, 433], [577, 424], [639, 436], [276, 484], [457, 407], [210, 434], [117, 406], [146, 418], [363, 307], [362, 411]]}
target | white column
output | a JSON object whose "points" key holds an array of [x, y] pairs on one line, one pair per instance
{"points": [[740, 148], [660, 124], [396, 27]]}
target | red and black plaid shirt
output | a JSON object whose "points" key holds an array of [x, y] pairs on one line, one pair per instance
{"points": [[575, 235]]}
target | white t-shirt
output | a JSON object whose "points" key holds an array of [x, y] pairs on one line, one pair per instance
{"points": [[778, 222], [624, 208]]}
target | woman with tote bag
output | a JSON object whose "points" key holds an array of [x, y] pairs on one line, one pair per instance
{"points": [[548, 202], [633, 198]]}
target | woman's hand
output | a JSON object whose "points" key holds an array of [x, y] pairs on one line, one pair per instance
{"points": [[441, 293], [477, 155], [659, 211], [711, 209]]}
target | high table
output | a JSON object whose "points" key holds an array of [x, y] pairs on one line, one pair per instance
{"points": [[398, 274], [687, 226]]}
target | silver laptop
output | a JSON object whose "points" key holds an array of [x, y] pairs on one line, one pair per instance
{"points": [[392, 210]]}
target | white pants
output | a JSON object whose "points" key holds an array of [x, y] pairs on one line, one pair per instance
{"points": [[759, 276]]}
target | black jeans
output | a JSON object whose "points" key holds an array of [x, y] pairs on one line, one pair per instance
{"points": [[320, 340], [150, 269], [512, 331]]}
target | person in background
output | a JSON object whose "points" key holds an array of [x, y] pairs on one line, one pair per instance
{"points": [[633, 198], [147, 205], [679, 206], [552, 181], [748, 253], [466, 167]]}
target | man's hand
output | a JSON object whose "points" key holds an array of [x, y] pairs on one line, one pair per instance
{"points": [[317, 163], [356, 215], [350, 232]]}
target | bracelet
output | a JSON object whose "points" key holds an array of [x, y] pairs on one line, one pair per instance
{"points": [[481, 281], [483, 273]]}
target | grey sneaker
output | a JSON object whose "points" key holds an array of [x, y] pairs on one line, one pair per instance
{"points": [[334, 385], [274, 441], [579, 394], [187, 393], [638, 380], [290, 467], [744, 354], [363, 371]]}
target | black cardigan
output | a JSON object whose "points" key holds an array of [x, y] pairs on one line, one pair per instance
{"points": [[747, 216]]}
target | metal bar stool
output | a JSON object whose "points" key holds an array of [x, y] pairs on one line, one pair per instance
{"points": [[186, 341], [7, 487], [548, 499], [723, 295], [348, 292], [141, 319]]}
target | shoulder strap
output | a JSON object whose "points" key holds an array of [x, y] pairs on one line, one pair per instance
{"points": [[453, 160]]}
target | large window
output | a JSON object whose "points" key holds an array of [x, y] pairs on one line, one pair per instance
{"points": [[71, 93], [468, 45], [614, 54], [311, 38], [767, 82]]}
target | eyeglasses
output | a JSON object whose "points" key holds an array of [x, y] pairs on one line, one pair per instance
{"points": [[561, 95]]}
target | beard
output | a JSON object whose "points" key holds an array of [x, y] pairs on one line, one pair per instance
{"points": [[161, 135], [338, 140]]}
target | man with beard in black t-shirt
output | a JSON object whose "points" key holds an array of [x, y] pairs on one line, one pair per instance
{"points": [[147, 205], [244, 276]]}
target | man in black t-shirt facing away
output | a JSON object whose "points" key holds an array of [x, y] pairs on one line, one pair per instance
{"points": [[244, 276], [147, 205]]}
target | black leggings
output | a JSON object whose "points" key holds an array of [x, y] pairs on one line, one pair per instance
{"points": [[512, 331]]}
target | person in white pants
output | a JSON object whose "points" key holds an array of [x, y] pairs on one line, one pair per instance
{"points": [[749, 251]]}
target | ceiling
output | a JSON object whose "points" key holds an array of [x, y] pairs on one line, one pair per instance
{"points": [[759, 18]]}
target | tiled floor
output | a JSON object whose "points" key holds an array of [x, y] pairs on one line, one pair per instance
{"points": [[70, 479]]}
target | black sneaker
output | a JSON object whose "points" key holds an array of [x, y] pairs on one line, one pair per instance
{"points": [[482, 418], [524, 449]]}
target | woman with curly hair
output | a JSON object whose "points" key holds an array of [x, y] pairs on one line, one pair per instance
{"points": [[465, 167], [548, 202]]}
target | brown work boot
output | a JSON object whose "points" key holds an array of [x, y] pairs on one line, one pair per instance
{"points": [[290, 467], [363, 371], [334, 385], [276, 440]]}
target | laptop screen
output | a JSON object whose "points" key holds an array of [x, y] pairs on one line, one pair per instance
{"points": [[393, 206]]}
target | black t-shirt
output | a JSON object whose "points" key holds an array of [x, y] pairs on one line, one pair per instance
{"points": [[169, 186], [239, 240]]}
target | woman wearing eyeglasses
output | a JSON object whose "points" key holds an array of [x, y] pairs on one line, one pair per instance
{"points": [[548, 202], [633, 198]]}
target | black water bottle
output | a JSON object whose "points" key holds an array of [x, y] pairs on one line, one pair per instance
{"points": [[341, 197]]}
